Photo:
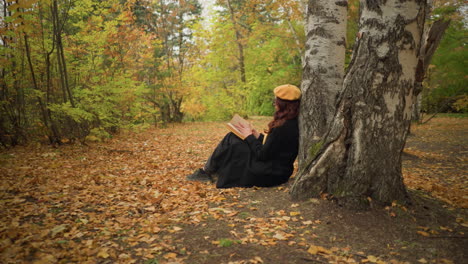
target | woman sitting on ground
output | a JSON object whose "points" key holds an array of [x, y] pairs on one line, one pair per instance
{"points": [[258, 160]]}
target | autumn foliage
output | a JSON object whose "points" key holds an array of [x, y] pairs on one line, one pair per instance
{"points": [[127, 201]]}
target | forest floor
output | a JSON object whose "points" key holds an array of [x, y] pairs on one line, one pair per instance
{"points": [[127, 201]]}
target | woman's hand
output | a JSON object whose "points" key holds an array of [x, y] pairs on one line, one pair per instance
{"points": [[255, 133], [245, 130]]}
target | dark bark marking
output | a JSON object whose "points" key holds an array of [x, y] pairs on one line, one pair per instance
{"points": [[319, 31], [313, 52], [374, 5], [318, 11], [321, 70], [342, 3], [342, 42], [374, 23], [315, 10]]}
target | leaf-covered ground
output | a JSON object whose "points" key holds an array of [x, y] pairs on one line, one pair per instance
{"points": [[127, 201]]}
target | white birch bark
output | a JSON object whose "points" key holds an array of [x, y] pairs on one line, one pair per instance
{"points": [[323, 69], [361, 153]]}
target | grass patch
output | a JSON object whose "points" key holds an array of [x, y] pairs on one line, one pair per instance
{"points": [[224, 242]]}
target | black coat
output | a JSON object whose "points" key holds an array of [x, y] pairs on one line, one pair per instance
{"points": [[247, 163]]}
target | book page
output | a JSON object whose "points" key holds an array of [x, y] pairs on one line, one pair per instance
{"points": [[236, 120]]}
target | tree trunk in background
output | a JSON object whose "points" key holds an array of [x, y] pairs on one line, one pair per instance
{"points": [[432, 37], [417, 107], [323, 70], [240, 46], [361, 154]]}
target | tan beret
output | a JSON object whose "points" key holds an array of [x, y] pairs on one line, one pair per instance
{"points": [[287, 92]]}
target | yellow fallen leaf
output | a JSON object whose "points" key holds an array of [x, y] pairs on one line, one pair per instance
{"points": [[294, 213], [103, 253], [422, 260], [256, 260], [372, 258], [314, 250], [279, 236], [58, 229]]}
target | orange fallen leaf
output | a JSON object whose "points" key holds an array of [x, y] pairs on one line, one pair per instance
{"points": [[423, 233], [170, 255]]}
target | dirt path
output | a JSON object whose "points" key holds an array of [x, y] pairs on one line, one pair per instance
{"points": [[126, 201]]}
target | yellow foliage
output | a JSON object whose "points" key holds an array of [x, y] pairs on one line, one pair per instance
{"points": [[461, 104]]}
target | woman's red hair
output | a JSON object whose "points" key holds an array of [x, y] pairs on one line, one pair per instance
{"points": [[286, 110]]}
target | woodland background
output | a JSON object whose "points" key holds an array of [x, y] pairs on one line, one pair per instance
{"points": [[130, 76], [84, 70]]}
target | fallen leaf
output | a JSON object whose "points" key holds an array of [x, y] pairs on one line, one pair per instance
{"points": [[103, 253], [372, 258], [423, 233], [256, 260], [314, 250], [58, 229], [279, 236], [170, 255]]}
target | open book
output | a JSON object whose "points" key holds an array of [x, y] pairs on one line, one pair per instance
{"points": [[236, 119]]}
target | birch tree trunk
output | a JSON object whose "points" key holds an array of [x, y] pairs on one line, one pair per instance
{"points": [[323, 70], [361, 154]]}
